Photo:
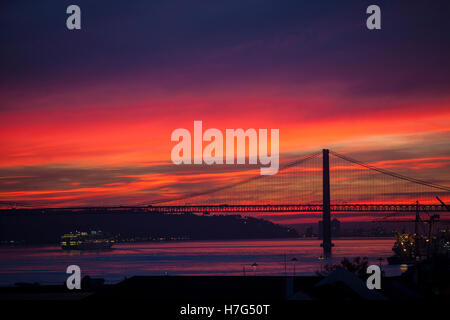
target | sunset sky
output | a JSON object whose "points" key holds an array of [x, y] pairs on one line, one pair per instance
{"points": [[86, 116]]}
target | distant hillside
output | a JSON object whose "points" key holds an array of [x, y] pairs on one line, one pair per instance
{"points": [[37, 226]]}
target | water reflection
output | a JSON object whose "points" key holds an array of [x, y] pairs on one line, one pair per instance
{"points": [[47, 264]]}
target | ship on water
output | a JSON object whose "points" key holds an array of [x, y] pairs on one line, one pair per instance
{"points": [[81, 240], [412, 247]]}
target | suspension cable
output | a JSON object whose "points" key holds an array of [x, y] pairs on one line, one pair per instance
{"points": [[391, 173], [257, 177]]}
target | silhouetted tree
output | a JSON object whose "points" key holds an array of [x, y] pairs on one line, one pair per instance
{"points": [[358, 267]]}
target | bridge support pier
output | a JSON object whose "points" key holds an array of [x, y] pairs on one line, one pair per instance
{"points": [[326, 219]]}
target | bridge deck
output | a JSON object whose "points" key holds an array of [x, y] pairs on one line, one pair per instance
{"points": [[299, 208], [249, 208]]}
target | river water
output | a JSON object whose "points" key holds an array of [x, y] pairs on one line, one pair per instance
{"points": [[47, 264]]}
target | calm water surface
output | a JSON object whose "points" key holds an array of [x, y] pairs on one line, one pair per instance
{"points": [[47, 264]]}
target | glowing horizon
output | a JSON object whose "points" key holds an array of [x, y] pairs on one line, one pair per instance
{"points": [[86, 118]]}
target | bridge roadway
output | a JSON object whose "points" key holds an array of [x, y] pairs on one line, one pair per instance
{"points": [[298, 208], [294, 208]]}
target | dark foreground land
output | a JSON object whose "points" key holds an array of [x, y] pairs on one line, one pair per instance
{"points": [[423, 288], [231, 298], [214, 288]]}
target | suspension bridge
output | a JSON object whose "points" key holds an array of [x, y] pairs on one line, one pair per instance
{"points": [[322, 182], [311, 184]]}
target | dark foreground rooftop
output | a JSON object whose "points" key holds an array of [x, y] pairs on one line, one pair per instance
{"points": [[339, 286]]}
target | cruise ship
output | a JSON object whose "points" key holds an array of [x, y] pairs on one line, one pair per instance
{"points": [[80, 240]]}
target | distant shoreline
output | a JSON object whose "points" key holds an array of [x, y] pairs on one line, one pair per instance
{"points": [[203, 240]]}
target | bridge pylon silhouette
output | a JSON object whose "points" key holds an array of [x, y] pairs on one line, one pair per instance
{"points": [[326, 205]]}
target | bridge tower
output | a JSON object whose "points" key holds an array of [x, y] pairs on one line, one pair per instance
{"points": [[326, 220]]}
